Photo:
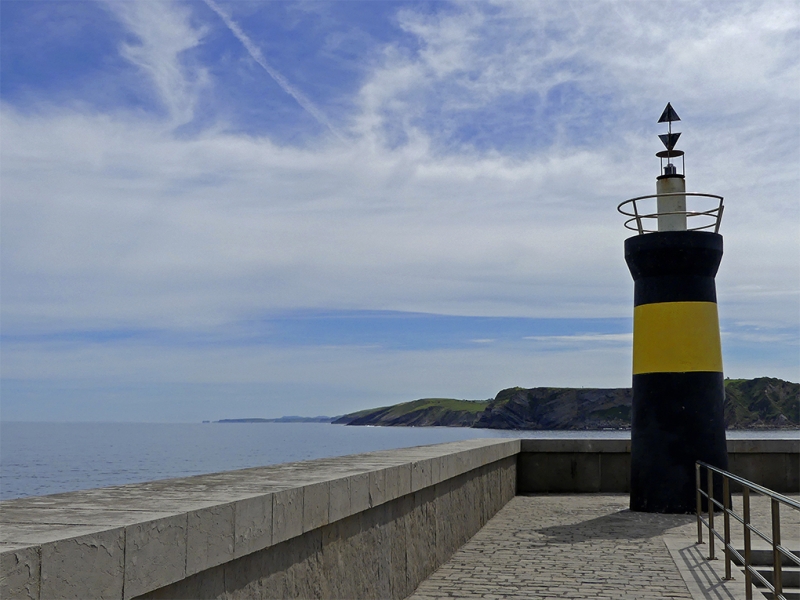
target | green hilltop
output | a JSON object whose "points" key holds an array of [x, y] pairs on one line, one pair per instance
{"points": [[430, 412]]}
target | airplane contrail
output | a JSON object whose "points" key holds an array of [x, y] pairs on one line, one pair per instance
{"points": [[257, 56]]}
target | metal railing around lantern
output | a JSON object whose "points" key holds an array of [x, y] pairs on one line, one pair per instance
{"points": [[640, 218]]}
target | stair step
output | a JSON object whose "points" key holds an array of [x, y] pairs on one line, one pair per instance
{"points": [[761, 558], [764, 557], [791, 594], [790, 576]]}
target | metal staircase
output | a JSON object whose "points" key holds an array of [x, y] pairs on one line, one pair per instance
{"points": [[763, 562], [771, 566]]}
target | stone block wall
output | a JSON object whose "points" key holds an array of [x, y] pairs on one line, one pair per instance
{"points": [[596, 465], [385, 551], [574, 466], [361, 526], [774, 464]]}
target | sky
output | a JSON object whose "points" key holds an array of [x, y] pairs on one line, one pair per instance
{"points": [[227, 209]]}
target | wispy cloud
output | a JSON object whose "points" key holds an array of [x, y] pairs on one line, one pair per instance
{"points": [[164, 34], [595, 338], [577, 76]]}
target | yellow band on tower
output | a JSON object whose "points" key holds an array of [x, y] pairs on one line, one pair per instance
{"points": [[676, 337]]}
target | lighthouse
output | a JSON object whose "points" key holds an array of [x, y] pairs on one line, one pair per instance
{"points": [[678, 387]]}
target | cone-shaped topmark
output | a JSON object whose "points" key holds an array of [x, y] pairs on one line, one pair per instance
{"points": [[669, 139], [669, 115]]}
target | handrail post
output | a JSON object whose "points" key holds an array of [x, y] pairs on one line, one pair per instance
{"points": [[776, 541], [638, 218], [748, 577], [726, 503], [710, 503], [699, 503]]}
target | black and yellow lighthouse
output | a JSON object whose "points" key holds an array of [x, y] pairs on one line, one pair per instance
{"points": [[678, 387]]}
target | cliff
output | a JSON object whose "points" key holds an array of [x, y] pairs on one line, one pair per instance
{"points": [[765, 402], [558, 408]]}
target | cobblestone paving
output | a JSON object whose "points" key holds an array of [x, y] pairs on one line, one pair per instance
{"points": [[565, 546]]}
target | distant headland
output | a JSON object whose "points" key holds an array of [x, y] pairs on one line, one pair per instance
{"points": [[762, 403], [288, 419]]}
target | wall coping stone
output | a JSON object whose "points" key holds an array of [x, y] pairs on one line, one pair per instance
{"points": [[567, 445], [594, 446], [767, 446]]}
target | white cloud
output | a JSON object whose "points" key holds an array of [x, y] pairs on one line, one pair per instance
{"points": [[585, 340], [135, 224]]}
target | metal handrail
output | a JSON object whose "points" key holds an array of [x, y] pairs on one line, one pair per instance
{"points": [[638, 217], [778, 551]]}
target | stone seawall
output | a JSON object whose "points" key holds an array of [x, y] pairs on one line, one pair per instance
{"points": [[572, 466], [361, 526]]}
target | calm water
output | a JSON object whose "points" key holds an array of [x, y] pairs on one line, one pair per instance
{"points": [[47, 458]]}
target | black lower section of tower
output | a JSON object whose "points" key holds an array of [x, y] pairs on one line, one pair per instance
{"points": [[677, 416], [677, 419]]}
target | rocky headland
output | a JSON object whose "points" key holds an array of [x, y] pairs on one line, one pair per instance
{"points": [[762, 403]]}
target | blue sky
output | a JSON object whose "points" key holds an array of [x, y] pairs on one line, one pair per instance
{"points": [[216, 209]]}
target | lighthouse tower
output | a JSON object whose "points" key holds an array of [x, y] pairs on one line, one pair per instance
{"points": [[678, 388]]}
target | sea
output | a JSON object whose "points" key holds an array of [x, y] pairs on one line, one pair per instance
{"points": [[50, 458]]}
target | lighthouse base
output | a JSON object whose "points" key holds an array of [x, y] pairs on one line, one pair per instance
{"points": [[677, 419]]}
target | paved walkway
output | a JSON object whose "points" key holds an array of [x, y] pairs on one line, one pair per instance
{"points": [[582, 546]]}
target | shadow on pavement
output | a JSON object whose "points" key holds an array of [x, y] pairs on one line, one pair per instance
{"points": [[624, 524]]}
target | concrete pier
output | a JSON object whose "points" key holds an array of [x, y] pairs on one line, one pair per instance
{"points": [[374, 525]]}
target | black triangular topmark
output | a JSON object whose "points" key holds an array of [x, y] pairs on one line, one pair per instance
{"points": [[669, 139], [669, 115]]}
